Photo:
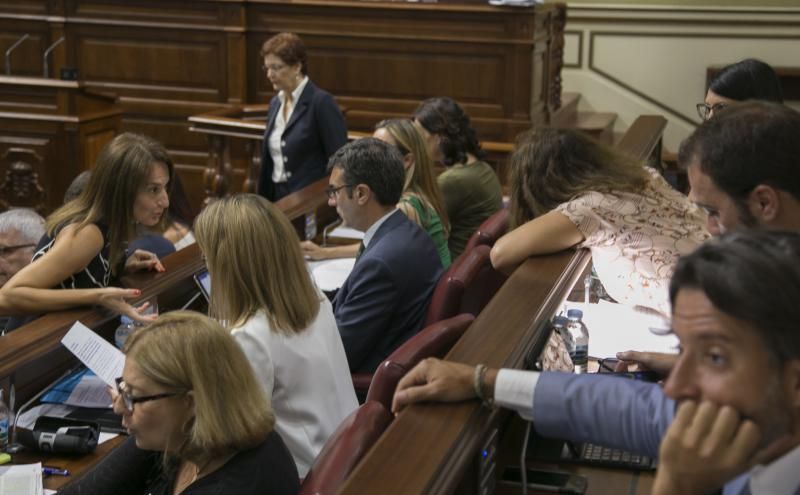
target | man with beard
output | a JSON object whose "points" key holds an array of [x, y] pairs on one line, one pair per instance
{"points": [[744, 170], [737, 378], [743, 167]]}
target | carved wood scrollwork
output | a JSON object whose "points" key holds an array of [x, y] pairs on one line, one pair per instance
{"points": [[20, 187], [253, 150], [216, 177], [557, 56]]}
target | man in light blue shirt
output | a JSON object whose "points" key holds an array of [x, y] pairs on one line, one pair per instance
{"points": [[736, 380]]}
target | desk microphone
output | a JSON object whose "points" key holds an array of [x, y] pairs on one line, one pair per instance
{"points": [[15, 447], [327, 231]]}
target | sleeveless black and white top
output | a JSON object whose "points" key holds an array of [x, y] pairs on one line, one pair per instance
{"points": [[97, 274]]}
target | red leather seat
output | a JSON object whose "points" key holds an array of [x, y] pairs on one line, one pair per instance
{"points": [[466, 287], [489, 231], [345, 448], [433, 341]]}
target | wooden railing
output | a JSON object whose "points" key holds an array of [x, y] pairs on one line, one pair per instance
{"points": [[32, 355], [431, 448]]}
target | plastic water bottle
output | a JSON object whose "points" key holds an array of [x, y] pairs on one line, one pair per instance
{"points": [[578, 346], [125, 328], [4, 417], [311, 226]]}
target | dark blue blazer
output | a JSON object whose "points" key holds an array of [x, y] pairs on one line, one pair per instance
{"points": [[384, 300], [314, 132]]}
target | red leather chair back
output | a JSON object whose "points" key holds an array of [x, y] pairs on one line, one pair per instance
{"points": [[433, 341], [489, 231], [345, 448], [461, 289]]}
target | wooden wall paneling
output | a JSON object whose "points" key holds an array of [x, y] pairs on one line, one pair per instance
{"points": [[26, 59], [169, 59], [45, 123], [166, 61], [381, 59]]}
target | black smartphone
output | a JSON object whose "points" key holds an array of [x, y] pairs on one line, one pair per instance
{"points": [[645, 376], [607, 366], [547, 481]]}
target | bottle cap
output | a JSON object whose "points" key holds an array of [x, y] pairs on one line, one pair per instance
{"points": [[126, 320], [575, 313]]}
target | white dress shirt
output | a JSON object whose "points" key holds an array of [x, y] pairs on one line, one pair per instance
{"points": [[513, 389], [305, 375], [370, 232], [275, 140], [780, 477]]}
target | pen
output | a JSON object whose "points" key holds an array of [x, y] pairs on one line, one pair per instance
{"points": [[47, 470]]}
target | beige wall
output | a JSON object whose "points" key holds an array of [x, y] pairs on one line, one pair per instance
{"points": [[647, 59], [698, 3]]}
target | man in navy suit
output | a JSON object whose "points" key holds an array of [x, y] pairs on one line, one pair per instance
{"points": [[736, 380], [384, 300]]}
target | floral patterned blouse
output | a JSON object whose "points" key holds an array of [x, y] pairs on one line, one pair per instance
{"points": [[637, 238]]}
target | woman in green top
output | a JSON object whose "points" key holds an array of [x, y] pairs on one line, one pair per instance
{"points": [[469, 186], [421, 200]]}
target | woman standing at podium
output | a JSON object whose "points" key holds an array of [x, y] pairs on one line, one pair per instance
{"points": [[304, 124], [262, 290], [84, 247]]}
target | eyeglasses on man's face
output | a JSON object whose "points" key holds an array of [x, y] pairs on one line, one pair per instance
{"points": [[129, 401], [704, 110], [331, 190], [6, 250]]}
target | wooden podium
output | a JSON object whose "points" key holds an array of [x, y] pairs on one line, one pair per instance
{"points": [[51, 131], [234, 162]]}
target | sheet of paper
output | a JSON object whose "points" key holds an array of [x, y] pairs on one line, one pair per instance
{"points": [[105, 437], [331, 274], [91, 391], [346, 233], [616, 327], [21, 479], [105, 360], [28, 418]]}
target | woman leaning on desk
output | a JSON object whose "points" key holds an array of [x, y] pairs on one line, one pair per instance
{"points": [[199, 422], [568, 190], [262, 290], [84, 247], [421, 200], [304, 124]]}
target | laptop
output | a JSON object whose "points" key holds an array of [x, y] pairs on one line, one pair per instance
{"points": [[203, 281]]}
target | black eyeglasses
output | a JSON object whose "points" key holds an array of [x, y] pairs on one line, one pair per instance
{"points": [[129, 400], [6, 250], [704, 110], [331, 191]]}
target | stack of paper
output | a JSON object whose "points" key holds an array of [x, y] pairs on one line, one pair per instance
{"points": [[331, 274], [21, 479], [616, 327]]}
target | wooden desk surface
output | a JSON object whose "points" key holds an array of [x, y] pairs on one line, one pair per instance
{"points": [[77, 465], [601, 481]]}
